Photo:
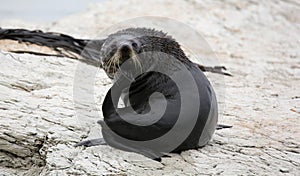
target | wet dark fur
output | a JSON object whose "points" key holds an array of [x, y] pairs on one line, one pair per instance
{"points": [[145, 85]]}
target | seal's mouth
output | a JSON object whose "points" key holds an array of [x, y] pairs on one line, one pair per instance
{"points": [[123, 54]]}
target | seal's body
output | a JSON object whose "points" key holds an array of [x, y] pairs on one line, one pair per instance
{"points": [[143, 63]]}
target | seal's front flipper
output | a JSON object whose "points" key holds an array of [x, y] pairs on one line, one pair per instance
{"points": [[157, 159], [216, 69], [219, 126], [92, 142]]}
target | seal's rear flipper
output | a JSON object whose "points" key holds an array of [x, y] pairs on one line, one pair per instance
{"points": [[92, 142], [219, 126], [216, 69], [166, 156]]}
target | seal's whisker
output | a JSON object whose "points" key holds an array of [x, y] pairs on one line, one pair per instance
{"points": [[133, 59], [136, 61], [109, 62], [115, 60]]}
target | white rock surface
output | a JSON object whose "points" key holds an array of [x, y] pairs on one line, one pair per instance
{"points": [[258, 41]]}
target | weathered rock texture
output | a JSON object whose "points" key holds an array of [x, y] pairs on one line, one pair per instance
{"points": [[258, 41]]}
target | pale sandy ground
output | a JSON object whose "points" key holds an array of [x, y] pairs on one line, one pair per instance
{"points": [[258, 41]]}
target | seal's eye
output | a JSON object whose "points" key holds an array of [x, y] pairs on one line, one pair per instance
{"points": [[134, 45]]}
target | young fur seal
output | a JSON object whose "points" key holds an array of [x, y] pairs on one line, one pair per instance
{"points": [[142, 49]]}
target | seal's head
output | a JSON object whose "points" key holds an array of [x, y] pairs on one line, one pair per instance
{"points": [[130, 44], [117, 49]]}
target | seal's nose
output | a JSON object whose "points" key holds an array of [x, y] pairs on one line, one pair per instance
{"points": [[125, 48]]}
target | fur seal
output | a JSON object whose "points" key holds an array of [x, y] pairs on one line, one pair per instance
{"points": [[132, 45]]}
